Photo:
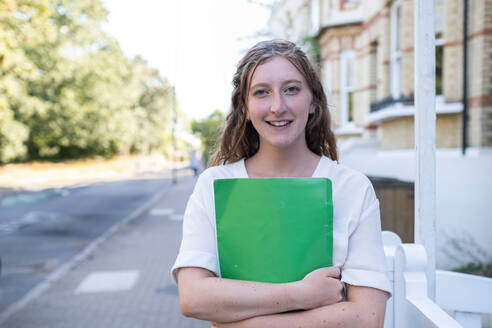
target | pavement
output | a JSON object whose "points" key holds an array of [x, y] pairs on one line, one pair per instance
{"points": [[121, 280]]}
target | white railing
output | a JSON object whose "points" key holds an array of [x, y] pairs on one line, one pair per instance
{"points": [[467, 295]]}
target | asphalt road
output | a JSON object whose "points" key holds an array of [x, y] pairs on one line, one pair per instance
{"points": [[40, 231]]}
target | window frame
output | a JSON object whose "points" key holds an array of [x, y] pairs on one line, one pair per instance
{"points": [[396, 51], [345, 6], [440, 43], [346, 90], [315, 17]]}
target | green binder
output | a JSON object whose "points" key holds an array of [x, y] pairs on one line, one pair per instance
{"points": [[273, 230]]}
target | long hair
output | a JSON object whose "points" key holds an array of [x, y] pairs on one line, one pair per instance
{"points": [[240, 139]]}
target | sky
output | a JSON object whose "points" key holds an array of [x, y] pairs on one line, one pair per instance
{"points": [[195, 44]]}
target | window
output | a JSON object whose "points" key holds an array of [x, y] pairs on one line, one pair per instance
{"points": [[315, 16], [396, 50], [347, 4], [440, 23], [347, 88], [373, 70]]}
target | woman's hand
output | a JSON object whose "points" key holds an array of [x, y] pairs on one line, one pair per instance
{"points": [[206, 297], [319, 288]]}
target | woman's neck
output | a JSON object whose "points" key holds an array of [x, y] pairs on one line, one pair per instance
{"points": [[272, 162]]}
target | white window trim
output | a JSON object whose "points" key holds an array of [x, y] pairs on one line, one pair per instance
{"points": [[350, 5], [395, 53], [348, 130], [327, 76], [441, 41], [400, 110], [314, 16], [344, 115]]}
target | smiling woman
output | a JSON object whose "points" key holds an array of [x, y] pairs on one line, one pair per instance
{"points": [[279, 126], [279, 103]]}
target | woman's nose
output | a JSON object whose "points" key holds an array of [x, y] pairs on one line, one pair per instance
{"points": [[277, 105]]}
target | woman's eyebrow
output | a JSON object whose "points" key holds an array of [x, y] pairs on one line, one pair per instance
{"points": [[263, 84], [292, 81]]}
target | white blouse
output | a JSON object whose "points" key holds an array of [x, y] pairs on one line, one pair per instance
{"points": [[357, 242]]}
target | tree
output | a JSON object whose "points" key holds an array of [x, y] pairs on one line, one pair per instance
{"points": [[209, 131], [66, 88], [23, 24]]}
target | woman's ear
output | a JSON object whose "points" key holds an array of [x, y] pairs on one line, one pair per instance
{"points": [[312, 108]]}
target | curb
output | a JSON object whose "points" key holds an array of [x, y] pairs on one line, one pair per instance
{"points": [[40, 288]]}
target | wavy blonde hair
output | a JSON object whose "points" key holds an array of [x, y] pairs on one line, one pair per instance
{"points": [[239, 138]]}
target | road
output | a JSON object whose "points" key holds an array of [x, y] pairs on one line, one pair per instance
{"points": [[39, 231], [124, 281]]}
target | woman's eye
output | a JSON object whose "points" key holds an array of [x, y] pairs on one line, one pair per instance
{"points": [[260, 92], [292, 90]]}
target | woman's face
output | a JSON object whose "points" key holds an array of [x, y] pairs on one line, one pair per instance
{"points": [[279, 103]]}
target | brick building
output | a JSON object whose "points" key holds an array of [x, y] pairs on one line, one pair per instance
{"points": [[367, 67]]}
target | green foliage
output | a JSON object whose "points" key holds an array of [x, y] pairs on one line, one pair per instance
{"points": [[68, 91], [480, 269], [313, 50], [209, 131], [464, 246]]}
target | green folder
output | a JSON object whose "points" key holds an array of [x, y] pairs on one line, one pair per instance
{"points": [[273, 230]]}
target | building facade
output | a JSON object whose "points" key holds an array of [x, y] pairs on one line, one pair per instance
{"points": [[367, 68], [367, 51]]}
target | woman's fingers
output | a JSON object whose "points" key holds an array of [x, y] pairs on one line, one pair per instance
{"points": [[322, 287], [332, 272]]}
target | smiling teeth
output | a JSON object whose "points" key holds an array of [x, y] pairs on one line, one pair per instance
{"points": [[281, 123]]}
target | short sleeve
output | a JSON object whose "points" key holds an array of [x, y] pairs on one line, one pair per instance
{"points": [[198, 245], [365, 264]]}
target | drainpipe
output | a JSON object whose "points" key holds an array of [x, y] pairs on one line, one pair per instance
{"points": [[465, 77]]}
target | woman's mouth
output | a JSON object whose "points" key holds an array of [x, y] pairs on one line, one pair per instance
{"points": [[279, 123]]}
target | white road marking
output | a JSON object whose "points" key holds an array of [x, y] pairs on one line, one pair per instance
{"points": [[161, 211], [176, 217], [108, 281]]}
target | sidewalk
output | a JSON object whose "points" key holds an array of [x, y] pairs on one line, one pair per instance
{"points": [[125, 282]]}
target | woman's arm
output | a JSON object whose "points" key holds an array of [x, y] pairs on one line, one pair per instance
{"points": [[204, 296], [365, 307]]}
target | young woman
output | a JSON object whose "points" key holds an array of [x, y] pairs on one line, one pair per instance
{"points": [[279, 126]]}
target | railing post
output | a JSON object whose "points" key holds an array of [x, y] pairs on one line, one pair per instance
{"points": [[410, 262], [390, 241], [413, 307], [425, 136]]}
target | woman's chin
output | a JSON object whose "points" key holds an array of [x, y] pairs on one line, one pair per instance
{"points": [[281, 145]]}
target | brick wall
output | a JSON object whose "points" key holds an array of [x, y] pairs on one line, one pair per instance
{"points": [[399, 133], [374, 83], [486, 138]]}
